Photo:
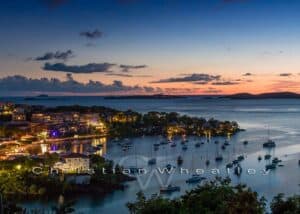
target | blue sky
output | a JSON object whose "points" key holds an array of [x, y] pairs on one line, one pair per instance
{"points": [[172, 37]]}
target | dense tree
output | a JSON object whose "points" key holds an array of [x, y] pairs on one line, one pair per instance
{"points": [[289, 205], [213, 197]]}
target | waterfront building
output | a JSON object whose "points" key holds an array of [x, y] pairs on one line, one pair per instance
{"points": [[73, 163]]}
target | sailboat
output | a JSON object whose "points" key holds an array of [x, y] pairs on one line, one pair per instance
{"points": [[259, 158], [169, 189], [238, 170], [195, 177], [269, 143], [152, 160], [226, 143], [168, 165], [274, 164], [240, 158], [219, 157], [268, 156], [229, 165], [179, 160], [271, 166], [156, 146], [134, 169], [207, 162]]}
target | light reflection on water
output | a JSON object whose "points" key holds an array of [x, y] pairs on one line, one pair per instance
{"points": [[256, 116], [284, 179]]}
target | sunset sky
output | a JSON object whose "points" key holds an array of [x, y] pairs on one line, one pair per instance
{"points": [[64, 47]]}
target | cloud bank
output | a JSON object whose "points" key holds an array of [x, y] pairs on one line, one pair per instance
{"points": [[196, 78], [226, 83], [128, 68], [285, 74], [20, 84], [91, 34], [58, 55], [87, 68]]}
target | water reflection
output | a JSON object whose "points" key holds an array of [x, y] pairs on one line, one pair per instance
{"points": [[100, 143], [96, 146], [44, 148]]}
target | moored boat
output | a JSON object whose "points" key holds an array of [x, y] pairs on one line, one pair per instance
{"points": [[169, 189], [235, 161], [276, 161], [270, 166], [268, 156], [219, 158], [179, 160], [173, 145], [229, 165], [152, 161], [269, 144], [240, 158], [195, 179], [238, 170], [197, 145], [226, 143]]}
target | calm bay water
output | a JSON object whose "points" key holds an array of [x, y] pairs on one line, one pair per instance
{"points": [[280, 116]]}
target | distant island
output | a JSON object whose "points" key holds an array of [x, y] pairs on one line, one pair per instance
{"points": [[278, 95], [155, 96], [40, 97]]}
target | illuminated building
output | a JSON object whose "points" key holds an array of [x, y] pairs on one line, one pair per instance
{"points": [[73, 163], [40, 118], [89, 118], [18, 114]]}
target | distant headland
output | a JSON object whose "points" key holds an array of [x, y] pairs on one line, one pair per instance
{"points": [[277, 95]]}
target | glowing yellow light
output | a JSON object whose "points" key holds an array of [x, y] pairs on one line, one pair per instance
{"points": [[44, 134], [18, 167], [44, 148]]}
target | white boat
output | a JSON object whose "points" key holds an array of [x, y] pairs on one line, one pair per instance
{"points": [[170, 189]]}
